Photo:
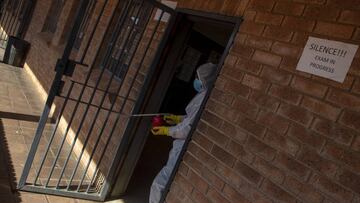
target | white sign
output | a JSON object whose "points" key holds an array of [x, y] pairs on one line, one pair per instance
{"points": [[327, 58], [165, 17]]}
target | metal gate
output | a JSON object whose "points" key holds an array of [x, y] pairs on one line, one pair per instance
{"points": [[97, 86], [15, 15]]}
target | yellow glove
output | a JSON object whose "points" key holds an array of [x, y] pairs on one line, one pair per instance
{"points": [[161, 130], [172, 119]]}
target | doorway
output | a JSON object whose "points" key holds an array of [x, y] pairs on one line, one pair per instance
{"points": [[197, 39]]}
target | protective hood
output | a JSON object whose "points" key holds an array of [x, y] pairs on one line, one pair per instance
{"points": [[206, 73]]}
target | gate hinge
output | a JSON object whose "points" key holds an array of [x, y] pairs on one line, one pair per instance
{"points": [[69, 66]]}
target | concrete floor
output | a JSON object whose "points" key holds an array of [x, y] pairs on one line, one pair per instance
{"points": [[20, 108]]}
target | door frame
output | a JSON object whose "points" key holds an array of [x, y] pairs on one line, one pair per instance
{"points": [[156, 93]]}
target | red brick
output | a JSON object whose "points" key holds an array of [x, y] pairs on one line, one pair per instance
{"points": [[352, 159], [351, 119], [350, 17], [215, 196], [350, 180], [248, 66], [289, 8], [183, 184], [250, 27], [276, 76], [206, 144], [278, 33], [321, 12], [306, 136], [334, 30], [258, 42], [303, 191], [344, 99], [221, 96], [221, 110], [233, 73], [276, 192], [267, 58], [311, 1], [245, 107], [261, 5], [298, 23], [242, 50], [254, 82], [349, 4], [216, 136], [268, 170], [233, 195], [237, 89], [283, 142], [223, 156], [285, 93], [198, 197], [234, 132], [309, 87], [211, 118], [212, 178], [260, 148], [231, 58], [356, 144], [229, 175], [264, 100], [338, 133], [296, 114], [356, 36], [268, 18], [239, 152], [183, 169], [273, 122], [248, 173], [346, 85], [285, 49], [356, 87], [192, 162], [197, 182], [200, 156], [251, 126], [249, 15], [312, 159], [321, 108], [291, 165], [300, 38], [331, 189]]}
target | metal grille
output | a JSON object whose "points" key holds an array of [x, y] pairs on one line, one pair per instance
{"points": [[15, 15], [76, 156]]}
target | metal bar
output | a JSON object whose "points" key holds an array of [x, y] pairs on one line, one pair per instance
{"points": [[64, 193], [103, 99], [26, 18], [93, 32], [96, 115], [52, 94], [16, 17], [53, 134], [112, 168], [76, 107]]}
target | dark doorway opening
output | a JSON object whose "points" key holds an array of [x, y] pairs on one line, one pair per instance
{"points": [[197, 40]]}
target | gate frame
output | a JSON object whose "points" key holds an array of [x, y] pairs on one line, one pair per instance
{"points": [[60, 68]]}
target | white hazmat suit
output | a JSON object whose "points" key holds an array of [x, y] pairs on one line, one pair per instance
{"points": [[206, 74]]}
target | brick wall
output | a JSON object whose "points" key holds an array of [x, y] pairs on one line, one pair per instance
{"points": [[270, 133]]}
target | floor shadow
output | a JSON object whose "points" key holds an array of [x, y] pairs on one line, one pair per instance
{"points": [[23, 117], [8, 192]]}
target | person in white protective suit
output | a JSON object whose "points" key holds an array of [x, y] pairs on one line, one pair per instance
{"points": [[181, 129]]}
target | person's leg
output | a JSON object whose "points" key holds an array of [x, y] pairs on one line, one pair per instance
{"points": [[160, 181]]}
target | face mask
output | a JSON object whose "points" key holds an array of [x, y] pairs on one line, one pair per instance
{"points": [[197, 85]]}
